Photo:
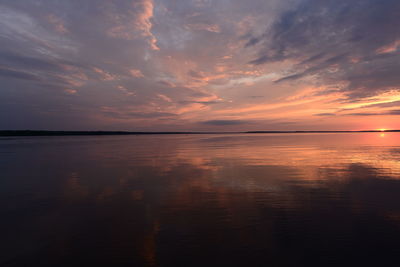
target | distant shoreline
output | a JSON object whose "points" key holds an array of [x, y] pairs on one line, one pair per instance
{"points": [[92, 133]]}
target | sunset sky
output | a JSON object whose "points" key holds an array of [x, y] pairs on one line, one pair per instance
{"points": [[199, 65]]}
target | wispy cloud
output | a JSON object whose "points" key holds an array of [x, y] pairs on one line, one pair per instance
{"points": [[224, 122], [337, 42]]}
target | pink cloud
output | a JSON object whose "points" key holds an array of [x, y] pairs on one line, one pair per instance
{"points": [[105, 76], [136, 73], [204, 27], [70, 91], [390, 48], [136, 23]]}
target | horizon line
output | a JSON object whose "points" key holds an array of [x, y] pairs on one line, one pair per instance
{"points": [[101, 132]]}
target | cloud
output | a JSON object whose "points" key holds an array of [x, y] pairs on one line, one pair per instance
{"points": [[165, 98], [394, 112], [224, 122], [70, 91], [9, 73], [390, 48], [105, 76], [204, 27], [10, 58], [135, 20], [57, 23], [325, 114], [143, 21], [338, 42], [136, 73]]}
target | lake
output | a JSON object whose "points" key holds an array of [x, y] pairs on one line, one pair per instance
{"points": [[329, 199]]}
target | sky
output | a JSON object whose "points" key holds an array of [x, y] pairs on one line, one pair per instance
{"points": [[199, 65]]}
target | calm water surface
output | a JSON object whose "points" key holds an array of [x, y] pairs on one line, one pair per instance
{"points": [[201, 200]]}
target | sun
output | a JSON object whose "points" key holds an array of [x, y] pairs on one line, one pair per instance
{"points": [[382, 130]]}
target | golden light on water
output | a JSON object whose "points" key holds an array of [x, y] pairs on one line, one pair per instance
{"points": [[383, 130]]}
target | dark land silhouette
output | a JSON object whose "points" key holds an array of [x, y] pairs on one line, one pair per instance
{"points": [[72, 133]]}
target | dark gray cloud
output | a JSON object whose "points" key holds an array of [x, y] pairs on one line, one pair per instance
{"points": [[325, 114], [9, 73], [394, 112], [224, 122], [364, 114], [200, 102], [20, 61], [141, 115], [338, 41]]}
